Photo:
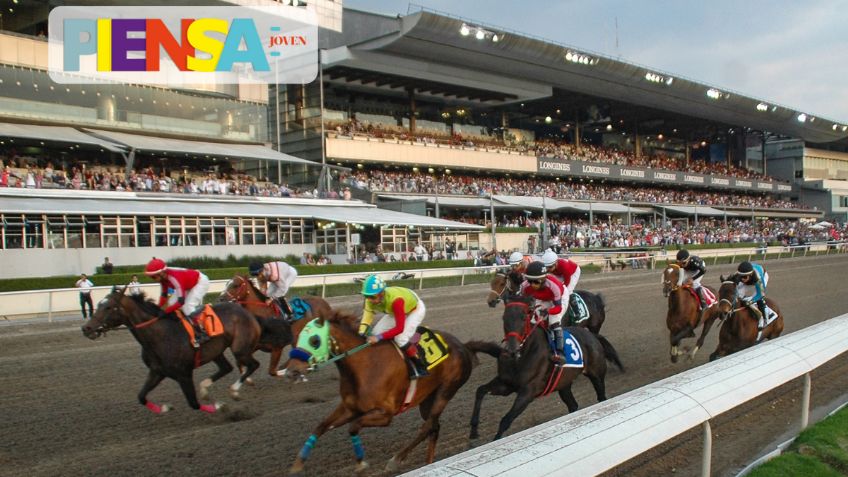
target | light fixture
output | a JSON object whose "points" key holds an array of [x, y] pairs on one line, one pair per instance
{"points": [[495, 38], [548, 120], [580, 58], [703, 143], [658, 78], [834, 127], [762, 107], [480, 35], [660, 137], [713, 93], [844, 128], [802, 118], [464, 30], [609, 127]]}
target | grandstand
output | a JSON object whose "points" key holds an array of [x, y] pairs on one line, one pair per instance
{"points": [[422, 114]]}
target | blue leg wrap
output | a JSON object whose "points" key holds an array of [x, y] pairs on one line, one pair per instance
{"points": [[357, 447], [307, 446]]}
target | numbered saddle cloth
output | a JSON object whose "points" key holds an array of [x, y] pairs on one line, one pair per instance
{"points": [[433, 348], [571, 350], [771, 315], [577, 309]]}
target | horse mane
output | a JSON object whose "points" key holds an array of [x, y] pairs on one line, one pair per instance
{"points": [[345, 319], [146, 304]]}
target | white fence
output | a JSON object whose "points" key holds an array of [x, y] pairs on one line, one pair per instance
{"points": [[66, 300], [600, 437]]}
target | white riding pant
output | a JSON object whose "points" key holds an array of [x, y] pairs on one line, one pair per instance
{"points": [[413, 319], [572, 284], [279, 289], [547, 305], [194, 298], [696, 282]]}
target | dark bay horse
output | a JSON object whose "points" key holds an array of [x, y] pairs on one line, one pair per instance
{"points": [[242, 291], [508, 283], [525, 368], [165, 346], [684, 311], [374, 384], [739, 328]]}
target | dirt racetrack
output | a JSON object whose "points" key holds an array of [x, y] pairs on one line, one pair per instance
{"points": [[68, 405]]}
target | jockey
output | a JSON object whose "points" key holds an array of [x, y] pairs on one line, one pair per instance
{"points": [[550, 292], [517, 262], [565, 270], [751, 288], [275, 279], [190, 286], [404, 312], [694, 269]]}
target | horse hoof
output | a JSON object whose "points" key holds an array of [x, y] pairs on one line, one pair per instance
{"points": [[694, 351], [250, 382], [392, 465], [281, 373], [360, 467], [235, 396], [674, 358], [165, 408]]}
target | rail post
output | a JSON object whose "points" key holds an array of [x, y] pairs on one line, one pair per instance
{"points": [[462, 280], [324, 287], [50, 306], [805, 402], [421, 281], [707, 456]]}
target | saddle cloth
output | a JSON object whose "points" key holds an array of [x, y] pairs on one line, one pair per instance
{"points": [[432, 347], [709, 296], [207, 318], [570, 350], [577, 310], [299, 308], [771, 315]]}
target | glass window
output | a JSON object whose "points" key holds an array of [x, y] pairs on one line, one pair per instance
{"points": [[93, 232]]}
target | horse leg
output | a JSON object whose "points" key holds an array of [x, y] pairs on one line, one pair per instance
{"points": [[224, 367], [599, 385], [496, 387], [568, 398], [274, 362], [708, 323], [339, 417], [373, 418], [153, 380], [675, 341], [434, 407], [522, 400], [187, 386], [245, 360]]}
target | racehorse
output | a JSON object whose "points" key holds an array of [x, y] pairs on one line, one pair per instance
{"points": [[739, 328], [525, 367], [684, 311], [241, 290], [167, 351], [508, 283], [375, 386]]}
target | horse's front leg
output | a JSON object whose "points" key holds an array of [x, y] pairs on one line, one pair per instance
{"points": [[224, 368], [712, 314], [495, 386], [522, 400], [153, 380], [249, 364], [187, 386], [374, 418], [274, 362], [339, 417]]}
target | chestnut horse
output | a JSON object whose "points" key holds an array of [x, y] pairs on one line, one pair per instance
{"points": [[165, 346], [684, 311], [508, 283], [739, 328], [374, 384], [242, 291], [525, 367]]}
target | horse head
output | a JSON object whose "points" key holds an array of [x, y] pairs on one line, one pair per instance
{"points": [[109, 314], [727, 297], [672, 279], [319, 341], [504, 282], [236, 290], [517, 315]]}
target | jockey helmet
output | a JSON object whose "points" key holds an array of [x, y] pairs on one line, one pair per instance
{"points": [[682, 255], [155, 266], [255, 268], [536, 271], [516, 258], [745, 268], [549, 258], [373, 285]]}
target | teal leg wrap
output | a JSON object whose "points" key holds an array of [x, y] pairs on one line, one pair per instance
{"points": [[307, 446], [357, 447]]}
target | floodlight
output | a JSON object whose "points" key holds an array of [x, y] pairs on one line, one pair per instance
{"points": [[464, 30], [802, 117]]}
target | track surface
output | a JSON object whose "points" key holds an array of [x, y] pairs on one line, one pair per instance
{"points": [[68, 405]]}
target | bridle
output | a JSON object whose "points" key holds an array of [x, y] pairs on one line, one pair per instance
{"points": [[240, 294], [508, 287], [668, 286], [730, 303], [529, 326]]}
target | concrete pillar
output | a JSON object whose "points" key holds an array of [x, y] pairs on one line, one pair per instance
{"points": [[688, 155], [577, 131], [106, 108], [763, 154], [411, 93]]}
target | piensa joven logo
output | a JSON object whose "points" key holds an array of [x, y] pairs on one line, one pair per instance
{"points": [[183, 45]]}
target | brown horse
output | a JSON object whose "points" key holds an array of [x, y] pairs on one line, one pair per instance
{"points": [[525, 367], [241, 290], [739, 328], [374, 384], [684, 311], [504, 284], [166, 349]]}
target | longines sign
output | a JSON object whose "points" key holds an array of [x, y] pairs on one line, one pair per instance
{"points": [[565, 168]]}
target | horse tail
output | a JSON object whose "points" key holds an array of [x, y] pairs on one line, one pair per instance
{"points": [[610, 353], [488, 347]]}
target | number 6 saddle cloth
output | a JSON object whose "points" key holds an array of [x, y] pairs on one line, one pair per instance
{"points": [[431, 347]]}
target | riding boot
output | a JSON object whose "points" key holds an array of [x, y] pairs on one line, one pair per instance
{"points": [[761, 305], [200, 335], [557, 357], [417, 368], [702, 298], [285, 309]]}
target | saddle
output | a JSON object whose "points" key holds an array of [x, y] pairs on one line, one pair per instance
{"points": [[205, 317], [577, 310]]}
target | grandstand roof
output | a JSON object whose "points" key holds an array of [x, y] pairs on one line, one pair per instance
{"points": [[129, 203], [428, 47], [55, 133]]}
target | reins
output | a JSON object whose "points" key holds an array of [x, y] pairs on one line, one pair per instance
{"points": [[528, 328]]}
